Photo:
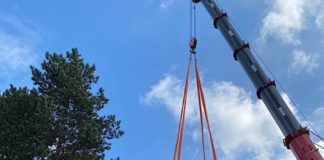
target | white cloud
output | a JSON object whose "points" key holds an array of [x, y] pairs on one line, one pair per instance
{"points": [[321, 143], [318, 7], [15, 54], [286, 155], [166, 4], [237, 120], [168, 92], [196, 135], [318, 119], [17, 44], [284, 20], [320, 20], [303, 61]]}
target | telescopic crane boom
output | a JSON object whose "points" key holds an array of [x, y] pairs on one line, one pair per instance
{"points": [[296, 137]]}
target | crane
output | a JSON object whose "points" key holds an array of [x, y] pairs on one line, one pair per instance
{"points": [[297, 137]]}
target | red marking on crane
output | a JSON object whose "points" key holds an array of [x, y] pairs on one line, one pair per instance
{"points": [[224, 14], [302, 146], [236, 51], [291, 136], [264, 86]]}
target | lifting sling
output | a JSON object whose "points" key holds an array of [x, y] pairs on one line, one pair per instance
{"points": [[201, 98], [202, 114]]}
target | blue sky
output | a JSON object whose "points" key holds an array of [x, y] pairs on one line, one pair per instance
{"points": [[140, 50]]}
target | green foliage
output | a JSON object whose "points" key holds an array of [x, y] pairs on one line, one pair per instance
{"points": [[78, 130], [59, 118], [25, 124]]}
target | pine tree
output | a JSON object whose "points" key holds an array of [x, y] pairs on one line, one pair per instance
{"points": [[77, 128], [25, 125]]}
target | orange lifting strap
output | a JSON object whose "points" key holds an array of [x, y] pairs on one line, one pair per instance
{"points": [[202, 112]]}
